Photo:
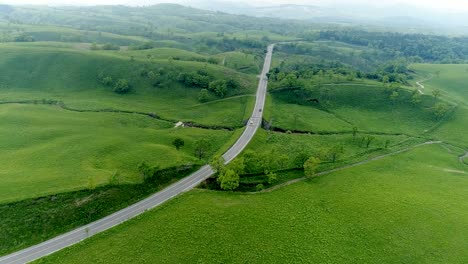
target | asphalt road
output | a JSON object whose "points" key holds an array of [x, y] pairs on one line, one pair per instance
{"points": [[50, 246]]}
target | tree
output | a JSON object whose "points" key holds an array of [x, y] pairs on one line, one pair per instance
{"points": [[229, 180], [368, 140], [201, 148], [122, 86], [151, 75], [387, 143], [178, 143], [291, 82], [300, 159], [311, 166], [272, 177], [94, 46], [219, 88], [355, 131], [203, 96], [385, 79], [232, 84], [217, 163], [107, 81], [252, 161], [259, 187], [335, 152], [237, 165], [436, 93], [416, 98], [147, 172], [440, 110], [394, 96], [282, 161], [91, 183]]}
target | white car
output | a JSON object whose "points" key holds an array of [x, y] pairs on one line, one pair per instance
{"points": [[251, 122]]}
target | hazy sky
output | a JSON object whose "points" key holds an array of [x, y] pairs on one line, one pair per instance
{"points": [[454, 5]]}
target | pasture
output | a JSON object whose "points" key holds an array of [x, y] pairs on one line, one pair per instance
{"points": [[406, 208]]}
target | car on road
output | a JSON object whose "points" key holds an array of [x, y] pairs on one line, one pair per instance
{"points": [[251, 122]]}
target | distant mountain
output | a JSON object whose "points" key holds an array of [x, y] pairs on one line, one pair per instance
{"points": [[398, 16]]}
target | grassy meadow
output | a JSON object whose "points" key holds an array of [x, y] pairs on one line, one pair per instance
{"points": [[46, 149], [451, 81], [407, 208], [351, 105]]}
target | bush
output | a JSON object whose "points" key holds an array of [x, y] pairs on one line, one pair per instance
{"points": [[155, 175], [178, 143], [122, 86], [259, 187], [203, 96], [219, 88]]}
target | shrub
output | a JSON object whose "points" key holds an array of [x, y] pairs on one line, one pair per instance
{"points": [[203, 96], [122, 86], [259, 187], [178, 143]]}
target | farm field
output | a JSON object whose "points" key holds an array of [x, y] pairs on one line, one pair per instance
{"points": [[410, 206]]}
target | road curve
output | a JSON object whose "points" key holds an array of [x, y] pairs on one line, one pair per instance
{"points": [[65, 240]]}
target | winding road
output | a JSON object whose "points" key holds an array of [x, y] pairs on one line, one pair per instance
{"points": [[421, 86], [60, 242]]}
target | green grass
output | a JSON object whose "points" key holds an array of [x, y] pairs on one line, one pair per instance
{"points": [[46, 149], [71, 76], [410, 208], [241, 62], [297, 117], [294, 144], [451, 81], [34, 220], [366, 107], [65, 34]]}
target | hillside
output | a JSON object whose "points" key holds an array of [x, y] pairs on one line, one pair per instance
{"points": [[359, 153]]}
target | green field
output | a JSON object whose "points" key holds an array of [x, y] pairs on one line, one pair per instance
{"points": [[77, 86], [410, 206], [351, 105], [392, 165], [46, 150], [451, 81]]}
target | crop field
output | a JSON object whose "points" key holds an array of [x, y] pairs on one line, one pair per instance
{"points": [[410, 206]]}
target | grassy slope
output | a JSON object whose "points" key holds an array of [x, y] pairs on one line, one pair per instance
{"points": [[366, 107], [56, 33], [452, 82], [292, 144], [298, 117], [78, 87], [47, 150], [410, 208]]}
